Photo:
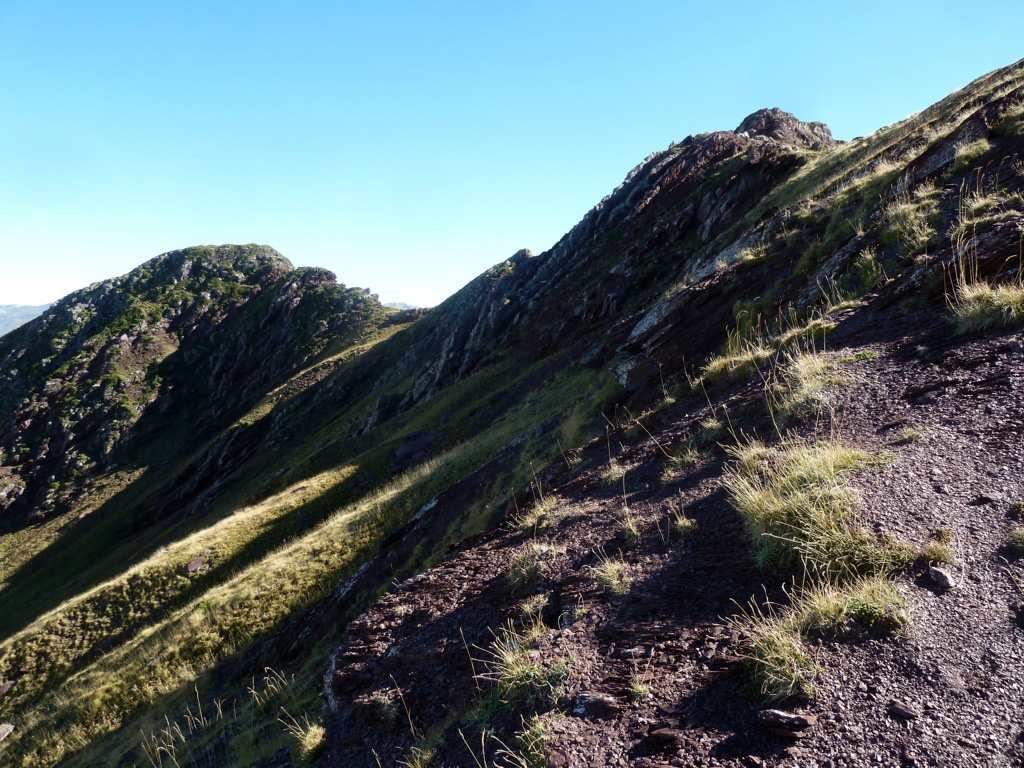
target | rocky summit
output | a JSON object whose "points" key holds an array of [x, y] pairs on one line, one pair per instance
{"points": [[729, 476]]}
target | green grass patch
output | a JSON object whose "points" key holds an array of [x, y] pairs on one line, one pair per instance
{"points": [[966, 155]]}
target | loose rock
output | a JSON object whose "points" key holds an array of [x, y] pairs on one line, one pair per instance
{"points": [[941, 577], [788, 724], [901, 710]]}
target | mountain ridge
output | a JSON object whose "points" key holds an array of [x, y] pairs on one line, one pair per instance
{"points": [[309, 489]]}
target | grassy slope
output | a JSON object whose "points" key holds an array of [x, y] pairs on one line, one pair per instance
{"points": [[250, 581]]}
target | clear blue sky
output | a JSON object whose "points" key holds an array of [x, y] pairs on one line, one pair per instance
{"points": [[408, 146]]}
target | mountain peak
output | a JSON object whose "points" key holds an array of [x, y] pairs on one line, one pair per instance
{"points": [[782, 126]]}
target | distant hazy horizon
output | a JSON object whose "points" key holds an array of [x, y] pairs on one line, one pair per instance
{"points": [[408, 147], [13, 315]]}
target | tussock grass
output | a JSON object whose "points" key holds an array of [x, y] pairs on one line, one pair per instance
{"points": [[418, 757], [748, 348], [865, 274], [799, 511], [779, 661], [754, 254], [937, 552], [775, 638], [679, 523], [517, 678], [683, 525], [909, 435], [629, 527], [981, 305], [693, 448], [531, 608], [531, 742], [1011, 123], [801, 382], [1017, 537], [613, 472], [540, 516], [612, 574], [309, 738], [638, 688], [873, 602], [979, 210], [530, 562], [906, 218]]}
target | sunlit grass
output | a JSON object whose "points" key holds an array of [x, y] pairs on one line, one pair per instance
{"points": [[799, 510]]}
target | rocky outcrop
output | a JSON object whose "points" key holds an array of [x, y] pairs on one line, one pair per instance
{"points": [[194, 335], [693, 190], [784, 128]]}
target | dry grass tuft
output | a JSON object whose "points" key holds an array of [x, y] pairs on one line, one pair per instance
{"points": [[775, 639], [798, 509], [802, 379], [530, 562], [612, 575], [979, 305]]}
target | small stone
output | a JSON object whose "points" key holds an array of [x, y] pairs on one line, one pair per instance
{"points": [[6, 729], [788, 724], [668, 735], [941, 577], [596, 702], [901, 710]]}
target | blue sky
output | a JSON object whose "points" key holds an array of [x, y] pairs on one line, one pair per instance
{"points": [[408, 146]]}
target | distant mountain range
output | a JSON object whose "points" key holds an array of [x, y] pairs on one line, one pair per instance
{"points": [[13, 315], [399, 305]]}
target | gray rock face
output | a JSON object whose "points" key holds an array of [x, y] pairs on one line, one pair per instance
{"points": [[785, 128]]}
